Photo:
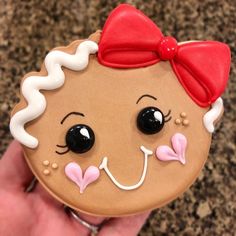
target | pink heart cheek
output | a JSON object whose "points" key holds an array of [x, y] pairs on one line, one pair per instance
{"points": [[74, 173], [179, 144], [90, 175], [165, 153]]}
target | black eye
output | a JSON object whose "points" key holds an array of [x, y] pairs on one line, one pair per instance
{"points": [[150, 120], [80, 138]]}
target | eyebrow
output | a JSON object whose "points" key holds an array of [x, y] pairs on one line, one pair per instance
{"points": [[71, 113], [146, 95]]}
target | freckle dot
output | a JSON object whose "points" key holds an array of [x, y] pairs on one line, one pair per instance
{"points": [[183, 114], [185, 122], [46, 172], [46, 162], [54, 165], [177, 121]]}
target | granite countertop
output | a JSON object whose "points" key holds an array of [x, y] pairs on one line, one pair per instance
{"points": [[29, 29]]}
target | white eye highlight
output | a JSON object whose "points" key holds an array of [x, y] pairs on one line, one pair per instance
{"points": [[158, 116], [85, 132]]}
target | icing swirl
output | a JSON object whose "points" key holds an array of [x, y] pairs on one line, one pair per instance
{"points": [[55, 79]]}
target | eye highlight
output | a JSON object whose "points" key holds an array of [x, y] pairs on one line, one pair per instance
{"points": [[151, 120]]}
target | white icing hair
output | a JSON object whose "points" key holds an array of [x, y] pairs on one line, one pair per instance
{"points": [[55, 79], [213, 114]]}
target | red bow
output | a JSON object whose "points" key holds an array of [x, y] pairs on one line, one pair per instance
{"points": [[130, 39]]}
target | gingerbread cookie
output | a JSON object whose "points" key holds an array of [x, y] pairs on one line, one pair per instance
{"points": [[122, 122]]}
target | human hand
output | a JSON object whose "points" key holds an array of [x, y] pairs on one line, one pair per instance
{"points": [[37, 213]]}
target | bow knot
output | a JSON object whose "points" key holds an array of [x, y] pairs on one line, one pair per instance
{"points": [[167, 48]]}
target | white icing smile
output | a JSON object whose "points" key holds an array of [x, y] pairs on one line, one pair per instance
{"points": [[125, 187]]}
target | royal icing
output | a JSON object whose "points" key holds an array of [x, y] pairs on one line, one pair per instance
{"points": [[74, 173], [177, 121], [125, 187], [32, 85], [213, 114], [46, 172], [197, 65], [185, 122], [179, 144]]}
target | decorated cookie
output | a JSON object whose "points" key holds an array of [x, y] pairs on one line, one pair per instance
{"points": [[121, 123]]}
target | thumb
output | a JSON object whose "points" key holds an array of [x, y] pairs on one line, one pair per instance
{"points": [[129, 225]]}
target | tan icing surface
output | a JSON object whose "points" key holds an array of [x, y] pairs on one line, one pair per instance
{"points": [[108, 98]]}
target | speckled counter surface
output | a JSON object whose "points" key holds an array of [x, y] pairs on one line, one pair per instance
{"points": [[29, 29]]}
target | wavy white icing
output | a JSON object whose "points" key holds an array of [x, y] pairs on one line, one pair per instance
{"points": [[213, 114], [55, 79], [104, 166]]}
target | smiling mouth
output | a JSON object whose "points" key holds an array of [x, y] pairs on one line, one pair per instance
{"points": [[104, 166]]}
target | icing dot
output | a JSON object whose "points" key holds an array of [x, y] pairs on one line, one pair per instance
{"points": [[46, 172], [46, 162], [54, 165], [177, 121], [183, 114], [185, 122]]}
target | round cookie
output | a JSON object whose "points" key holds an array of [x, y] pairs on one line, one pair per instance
{"points": [[114, 126]]}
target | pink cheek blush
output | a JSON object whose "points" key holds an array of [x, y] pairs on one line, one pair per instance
{"points": [[74, 173], [176, 153]]}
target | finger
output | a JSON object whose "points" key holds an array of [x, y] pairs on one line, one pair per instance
{"points": [[14, 171], [46, 197], [41, 194], [130, 225], [85, 221], [46, 200], [61, 222], [49, 199], [94, 220]]}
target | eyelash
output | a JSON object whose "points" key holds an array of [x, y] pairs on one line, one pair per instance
{"points": [[166, 116], [62, 146]]}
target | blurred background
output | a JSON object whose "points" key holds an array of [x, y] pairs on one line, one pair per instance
{"points": [[29, 29]]}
